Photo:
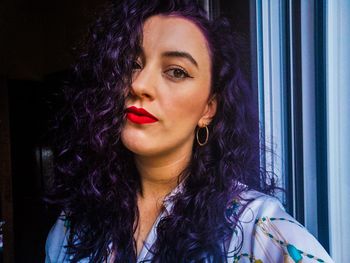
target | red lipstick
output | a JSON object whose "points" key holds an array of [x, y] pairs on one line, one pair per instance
{"points": [[139, 115]]}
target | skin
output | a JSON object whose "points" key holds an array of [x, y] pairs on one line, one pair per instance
{"points": [[177, 93]]}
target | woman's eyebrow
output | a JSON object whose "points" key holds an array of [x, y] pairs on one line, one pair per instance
{"points": [[180, 54]]}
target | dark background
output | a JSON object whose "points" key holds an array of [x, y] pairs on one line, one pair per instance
{"points": [[36, 44]]}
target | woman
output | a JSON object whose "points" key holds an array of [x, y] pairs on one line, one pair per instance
{"points": [[160, 163]]}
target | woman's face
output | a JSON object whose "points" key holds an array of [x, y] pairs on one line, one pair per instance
{"points": [[171, 81]]}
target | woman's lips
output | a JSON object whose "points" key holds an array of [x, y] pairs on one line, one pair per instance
{"points": [[139, 115]]}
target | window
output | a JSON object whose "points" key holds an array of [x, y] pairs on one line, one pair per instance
{"points": [[300, 60]]}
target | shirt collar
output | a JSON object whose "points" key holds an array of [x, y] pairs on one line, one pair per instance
{"points": [[168, 202]]}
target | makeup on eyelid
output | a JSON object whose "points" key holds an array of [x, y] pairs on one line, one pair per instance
{"points": [[174, 68]]}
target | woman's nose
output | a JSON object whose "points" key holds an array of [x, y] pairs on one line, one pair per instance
{"points": [[143, 84]]}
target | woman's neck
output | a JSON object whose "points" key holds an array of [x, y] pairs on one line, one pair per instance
{"points": [[159, 176]]}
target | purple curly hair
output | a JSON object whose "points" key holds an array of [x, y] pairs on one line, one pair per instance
{"points": [[95, 177]]}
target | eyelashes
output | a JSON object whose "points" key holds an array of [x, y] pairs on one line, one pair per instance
{"points": [[136, 65], [175, 73]]}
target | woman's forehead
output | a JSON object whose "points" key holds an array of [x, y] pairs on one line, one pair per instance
{"points": [[169, 33]]}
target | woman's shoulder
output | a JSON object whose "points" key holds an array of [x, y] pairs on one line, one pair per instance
{"points": [[257, 204], [266, 232], [57, 240]]}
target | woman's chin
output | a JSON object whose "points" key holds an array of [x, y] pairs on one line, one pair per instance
{"points": [[143, 148]]}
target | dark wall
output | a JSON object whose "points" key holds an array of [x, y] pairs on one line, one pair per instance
{"points": [[36, 36], [36, 39]]}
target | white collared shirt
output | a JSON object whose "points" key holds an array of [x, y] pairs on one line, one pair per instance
{"points": [[268, 235]]}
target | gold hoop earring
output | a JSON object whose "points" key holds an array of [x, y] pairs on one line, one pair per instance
{"points": [[206, 137]]}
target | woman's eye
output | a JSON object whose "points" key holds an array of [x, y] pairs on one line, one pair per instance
{"points": [[136, 65], [177, 73]]}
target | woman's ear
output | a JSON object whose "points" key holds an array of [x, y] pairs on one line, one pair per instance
{"points": [[209, 112]]}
